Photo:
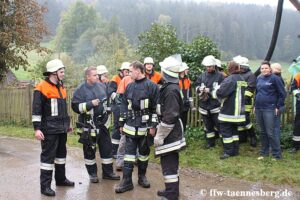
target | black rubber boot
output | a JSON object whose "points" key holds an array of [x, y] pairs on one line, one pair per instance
{"points": [[143, 181], [94, 178], [126, 183], [66, 182], [45, 179], [48, 192], [160, 193], [107, 172], [142, 168]]}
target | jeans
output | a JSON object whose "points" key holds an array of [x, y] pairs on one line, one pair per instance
{"points": [[278, 121], [268, 122]]}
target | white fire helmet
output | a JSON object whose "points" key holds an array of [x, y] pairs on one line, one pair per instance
{"points": [[101, 69], [148, 60], [209, 60], [171, 65], [53, 66]]}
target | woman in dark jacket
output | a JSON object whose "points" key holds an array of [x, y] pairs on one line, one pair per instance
{"points": [[270, 95]]}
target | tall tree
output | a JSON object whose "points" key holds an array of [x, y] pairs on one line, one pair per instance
{"points": [[194, 53], [21, 29], [159, 42], [78, 18]]}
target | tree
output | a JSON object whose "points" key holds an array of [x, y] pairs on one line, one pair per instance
{"points": [[21, 30], [78, 18], [194, 53], [159, 42]]}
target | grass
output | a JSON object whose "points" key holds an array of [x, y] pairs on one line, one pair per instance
{"points": [[13, 130], [33, 59], [246, 166]]}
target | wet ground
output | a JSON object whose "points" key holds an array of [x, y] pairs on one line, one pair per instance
{"points": [[19, 179]]}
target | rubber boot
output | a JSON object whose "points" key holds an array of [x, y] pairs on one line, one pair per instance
{"points": [[126, 183]]}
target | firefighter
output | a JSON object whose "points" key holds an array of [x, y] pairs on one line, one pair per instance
{"points": [[295, 87], [113, 86], [247, 130], [103, 78], [169, 139], [220, 68], [185, 87], [208, 107], [89, 102], [150, 73], [121, 150], [51, 122], [232, 93], [137, 118]]}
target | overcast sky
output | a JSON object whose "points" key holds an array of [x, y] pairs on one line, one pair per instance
{"points": [[287, 3]]}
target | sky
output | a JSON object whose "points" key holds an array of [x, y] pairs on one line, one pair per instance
{"points": [[287, 4]]}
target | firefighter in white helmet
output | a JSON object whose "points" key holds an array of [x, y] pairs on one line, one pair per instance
{"points": [[209, 108], [169, 139], [246, 129], [149, 65], [51, 121], [113, 86]]}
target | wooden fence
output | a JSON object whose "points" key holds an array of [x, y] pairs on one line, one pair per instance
{"points": [[16, 106]]}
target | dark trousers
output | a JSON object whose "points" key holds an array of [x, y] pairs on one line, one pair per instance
{"points": [[211, 124], [184, 117], [230, 138], [115, 130], [296, 132], [246, 129], [105, 149], [131, 146], [53, 154], [169, 165]]}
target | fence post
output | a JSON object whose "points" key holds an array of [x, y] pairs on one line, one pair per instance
{"points": [[29, 103]]}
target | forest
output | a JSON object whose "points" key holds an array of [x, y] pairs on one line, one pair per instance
{"points": [[235, 28]]}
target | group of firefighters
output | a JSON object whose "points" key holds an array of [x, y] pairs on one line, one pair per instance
{"points": [[148, 108]]}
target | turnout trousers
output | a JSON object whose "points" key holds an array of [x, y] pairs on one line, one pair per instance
{"points": [[211, 125], [131, 146], [116, 135], [53, 156], [230, 138], [103, 141], [169, 165]]}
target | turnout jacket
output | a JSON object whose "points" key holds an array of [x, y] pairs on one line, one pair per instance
{"points": [[295, 85], [138, 107], [155, 77], [250, 78], [82, 103], [211, 81], [49, 108], [232, 95], [113, 87], [169, 107], [185, 87]]}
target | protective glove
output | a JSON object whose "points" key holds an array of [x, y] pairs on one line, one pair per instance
{"points": [[161, 134]]}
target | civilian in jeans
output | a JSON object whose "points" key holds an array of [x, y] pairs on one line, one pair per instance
{"points": [[270, 95], [276, 69]]}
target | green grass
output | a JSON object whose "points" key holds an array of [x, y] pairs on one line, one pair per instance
{"points": [[246, 166], [21, 74], [33, 59], [13, 130]]}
